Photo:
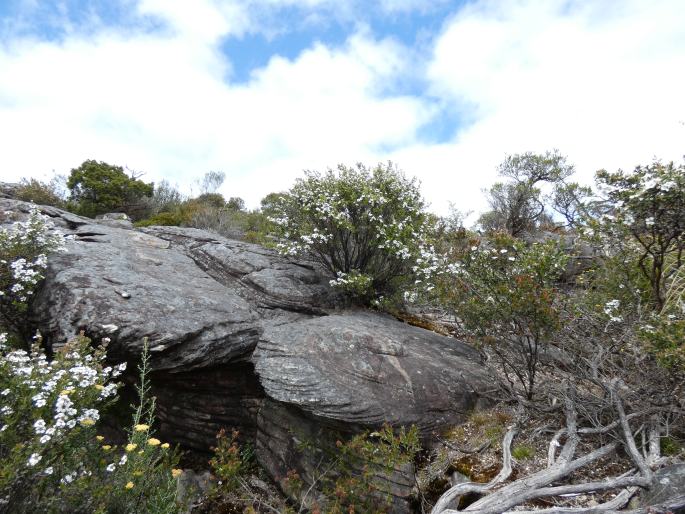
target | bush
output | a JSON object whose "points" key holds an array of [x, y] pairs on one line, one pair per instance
{"points": [[51, 458], [351, 482], [366, 227], [32, 190], [647, 207], [24, 247], [505, 294]]}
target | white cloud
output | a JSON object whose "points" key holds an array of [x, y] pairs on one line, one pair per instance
{"points": [[160, 103], [600, 81]]}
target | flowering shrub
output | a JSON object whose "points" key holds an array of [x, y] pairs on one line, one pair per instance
{"points": [[367, 227], [51, 458], [24, 247], [48, 413], [230, 463], [504, 292]]}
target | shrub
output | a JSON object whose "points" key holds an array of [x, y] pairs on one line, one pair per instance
{"points": [[24, 247], [51, 458], [366, 227], [522, 452], [504, 292], [32, 190], [350, 482]]}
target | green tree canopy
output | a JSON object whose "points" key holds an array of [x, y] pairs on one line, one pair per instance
{"points": [[517, 206], [97, 187]]}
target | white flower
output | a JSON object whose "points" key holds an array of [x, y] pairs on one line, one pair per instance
{"points": [[34, 459], [123, 460], [45, 439], [48, 470], [111, 467], [39, 426]]}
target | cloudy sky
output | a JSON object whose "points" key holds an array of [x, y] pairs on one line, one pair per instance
{"points": [[262, 89]]}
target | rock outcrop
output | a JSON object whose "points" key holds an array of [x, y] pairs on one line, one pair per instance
{"points": [[244, 338]]}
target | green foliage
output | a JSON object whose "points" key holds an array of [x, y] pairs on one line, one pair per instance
{"points": [[517, 207], [51, 458], [360, 221], [143, 477], [670, 446], [231, 463], [351, 481], [98, 188], [665, 337], [40, 193], [505, 293], [24, 247], [647, 206], [521, 452], [174, 219]]}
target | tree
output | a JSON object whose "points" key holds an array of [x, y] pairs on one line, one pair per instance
{"points": [[97, 187], [211, 181], [517, 207], [648, 206], [235, 203], [366, 226]]}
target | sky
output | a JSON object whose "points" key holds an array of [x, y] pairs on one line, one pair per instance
{"points": [[264, 89]]}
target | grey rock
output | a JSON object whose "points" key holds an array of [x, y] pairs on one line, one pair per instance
{"points": [[115, 219], [191, 487], [364, 368], [241, 337]]}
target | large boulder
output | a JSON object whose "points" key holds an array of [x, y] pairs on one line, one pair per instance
{"points": [[241, 337]]}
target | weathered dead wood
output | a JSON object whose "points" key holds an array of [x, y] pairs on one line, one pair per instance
{"points": [[539, 484], [471, 487]]}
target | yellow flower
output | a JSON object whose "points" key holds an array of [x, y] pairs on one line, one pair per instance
{"points": [[67, 391], [141, 452], [99, 438], [137, 473], [106, 447], [129, 485], [165, 445], [176, 472], [131, 446], [99, 387], [141, 428], [153, 441], [87, 422]]}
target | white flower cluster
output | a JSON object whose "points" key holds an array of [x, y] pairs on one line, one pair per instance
{"points": [[63, 392], [359, 219], [353, 282], [33, 238], [611, 310]]}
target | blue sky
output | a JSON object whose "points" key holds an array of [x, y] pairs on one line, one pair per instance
{"points": [[262, 89]]}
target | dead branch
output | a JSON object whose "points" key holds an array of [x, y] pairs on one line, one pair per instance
{"points": [[471, 487], [605, 508]]}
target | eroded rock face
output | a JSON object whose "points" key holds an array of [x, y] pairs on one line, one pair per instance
{"points": [[243, 338]]}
